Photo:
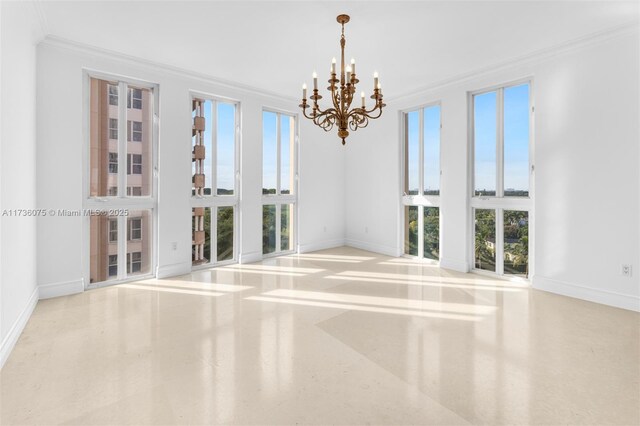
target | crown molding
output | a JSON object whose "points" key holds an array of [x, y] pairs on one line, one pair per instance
{"points": [[536, 56], [75, 46]]}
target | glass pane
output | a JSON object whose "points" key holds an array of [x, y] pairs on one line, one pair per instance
{"points": [[103, 144], [412, 153], [516, 141], [201, 235], [286, 227], [269, 152], [139, 241], [268, 229], [225, 140], [432, 233], [287, 135], [201, 135], [225, 233], [411, 230], [139, 141], [103, 252], [484, 134], [485, 239], [516, 242], [432, 150]]}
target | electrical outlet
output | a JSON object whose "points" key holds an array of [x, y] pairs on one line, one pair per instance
{"points": [[626, 270], [174, 246]]}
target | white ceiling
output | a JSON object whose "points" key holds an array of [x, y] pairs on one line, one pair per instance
{"points": [[276, 45]]}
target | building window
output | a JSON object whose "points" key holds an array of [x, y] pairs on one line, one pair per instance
{"points": [[113, 265], [113, 230], [134, 98], [113, 167], [134, 164], [134, 131], [134, 262], [120, 179], [134, 191], [214, 163], [502, 169], [421, 174], [135, 229], [113, 128], [113, 96], [279, 169]]}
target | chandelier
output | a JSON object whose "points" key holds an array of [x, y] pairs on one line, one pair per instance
{"points": [[342, 93]]}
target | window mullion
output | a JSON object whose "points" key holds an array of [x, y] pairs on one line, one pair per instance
{"points": [[278, 153], [122, 178], [122, 140], [500, 143], [421, 153]]}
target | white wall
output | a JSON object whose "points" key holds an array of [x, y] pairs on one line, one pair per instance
{"points": [[20, 34], [60, 175], [586, 182]]}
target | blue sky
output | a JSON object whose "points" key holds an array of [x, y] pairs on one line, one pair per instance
{"points": [[516, 139], [516, 142], [431, 148], [269, 154]]}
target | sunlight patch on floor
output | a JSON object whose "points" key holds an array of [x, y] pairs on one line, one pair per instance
{"points": [[460, 308], [361, 308]]}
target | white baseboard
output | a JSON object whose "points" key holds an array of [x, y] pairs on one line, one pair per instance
{"points": [[375, 248], [454, 264], [65, 288], [173, 270], [251, 257], [618, 300], [320, 245], [16, 329]]}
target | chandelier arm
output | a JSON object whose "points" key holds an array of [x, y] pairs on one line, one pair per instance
{"points": [[358, 121], [374, 109]]}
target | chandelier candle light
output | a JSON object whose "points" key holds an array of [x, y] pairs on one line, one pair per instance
{"points": [[342, 96]]}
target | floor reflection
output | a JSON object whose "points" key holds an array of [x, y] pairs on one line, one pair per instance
{"points": [[339, 336]]}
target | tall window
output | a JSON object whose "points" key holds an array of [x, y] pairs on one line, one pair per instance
{"points": [[279, 170], [121, 157], [214, 186], [421, 169], [502, 168]]}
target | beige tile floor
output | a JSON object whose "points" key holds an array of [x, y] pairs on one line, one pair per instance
{"points": [[341, 336]]}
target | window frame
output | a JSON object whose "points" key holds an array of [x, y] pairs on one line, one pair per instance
{"points": [[499, 202], [214, 201], [419, 200], [121, 201], [278, 199]]}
